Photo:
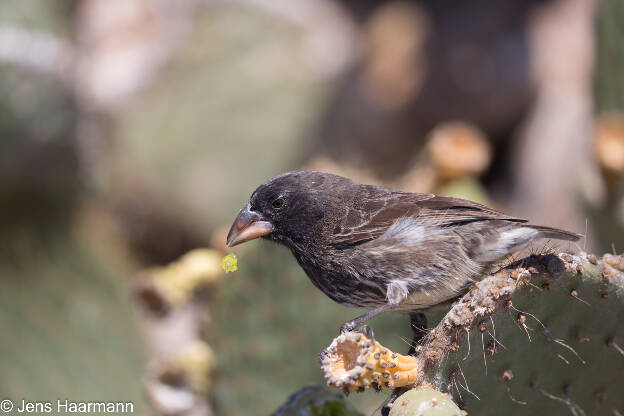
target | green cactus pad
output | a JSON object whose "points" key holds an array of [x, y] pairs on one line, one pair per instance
{"points": [[425, 401], [315, 401], [553, 346]]}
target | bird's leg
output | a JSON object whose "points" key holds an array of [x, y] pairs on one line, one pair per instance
{"points": [[418, 323], [356, 322]]}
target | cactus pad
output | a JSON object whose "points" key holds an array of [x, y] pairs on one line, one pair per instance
{"points": [[425, 401], [315, 401]]}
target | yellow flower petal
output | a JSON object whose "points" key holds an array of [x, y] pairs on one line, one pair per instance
{"points": [[229, 263]]}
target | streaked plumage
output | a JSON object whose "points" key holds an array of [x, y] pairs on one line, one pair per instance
{"points": [[369, 246]]}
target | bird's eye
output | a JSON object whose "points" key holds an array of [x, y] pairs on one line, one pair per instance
{"points": [[278, 203]]}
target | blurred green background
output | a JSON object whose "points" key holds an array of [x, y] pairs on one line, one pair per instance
{"points": [[132, 132]]}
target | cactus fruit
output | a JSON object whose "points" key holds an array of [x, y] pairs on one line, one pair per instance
{"points": [[353, 362], [425, 401], [543, 334]]}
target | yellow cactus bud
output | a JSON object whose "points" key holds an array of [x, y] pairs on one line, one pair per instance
{"points": [[229, 263], [354, 363]]}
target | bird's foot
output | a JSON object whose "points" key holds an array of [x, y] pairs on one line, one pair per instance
{"points": [[418, 323], [368, 331], [347, 327], [364, 329]]}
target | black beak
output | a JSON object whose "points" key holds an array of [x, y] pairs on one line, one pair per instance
{"points": [[247, 226]]}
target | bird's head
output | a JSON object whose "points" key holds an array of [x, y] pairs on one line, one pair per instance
{"points": [[291, 209]]}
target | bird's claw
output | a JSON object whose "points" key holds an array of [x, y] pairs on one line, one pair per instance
{"points": [[364, 329], [368, 331], [347, 327]]}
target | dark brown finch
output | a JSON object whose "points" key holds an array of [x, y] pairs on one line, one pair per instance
{"points": [[370, 247]]}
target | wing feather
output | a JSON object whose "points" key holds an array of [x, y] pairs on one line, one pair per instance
{"points": [[378, 210]]}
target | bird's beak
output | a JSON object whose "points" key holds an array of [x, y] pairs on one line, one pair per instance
{"points": [[247, 226]]}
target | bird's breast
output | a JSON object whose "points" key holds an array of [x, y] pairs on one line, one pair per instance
{"points": [[336, 281]]}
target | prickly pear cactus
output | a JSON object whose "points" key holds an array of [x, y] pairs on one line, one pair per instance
{"points": [[425, 401], [542, 335], [315, 401], [553, 346], [68, 329]]}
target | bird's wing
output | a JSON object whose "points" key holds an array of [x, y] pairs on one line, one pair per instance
{"points": [[371, 216]]}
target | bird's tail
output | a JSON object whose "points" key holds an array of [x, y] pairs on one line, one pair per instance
{"points": [[556, 233]]}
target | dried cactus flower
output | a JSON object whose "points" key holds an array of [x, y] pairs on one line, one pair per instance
{"points": [[173, 385], [197, 360], [229, 263], [609, 141], [175, 283], [458, 149], [354, 363], [426, 401]]}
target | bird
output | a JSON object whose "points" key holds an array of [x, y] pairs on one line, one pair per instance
{"points": [[372, 247]]}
